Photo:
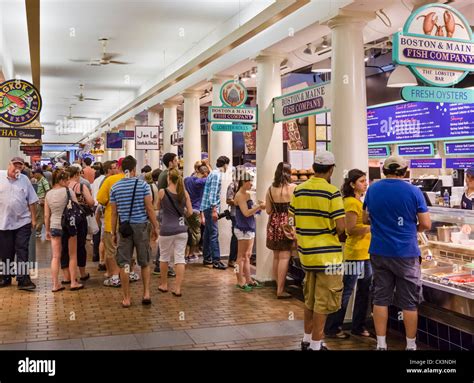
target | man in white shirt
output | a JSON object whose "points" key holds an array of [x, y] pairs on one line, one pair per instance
{"points": [[18, 206]]}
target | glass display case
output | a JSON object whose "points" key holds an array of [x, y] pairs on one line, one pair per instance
{"points": [[447, 266]]}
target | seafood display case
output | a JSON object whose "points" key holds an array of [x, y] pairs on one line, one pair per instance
{"points": [[447, 266]]}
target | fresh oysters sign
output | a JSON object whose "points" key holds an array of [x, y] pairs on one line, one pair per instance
{"points": [[436, 44]]}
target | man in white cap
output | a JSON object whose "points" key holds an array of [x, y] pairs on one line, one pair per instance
{"points": [[397, 212], [318, 213], [17, 221]]}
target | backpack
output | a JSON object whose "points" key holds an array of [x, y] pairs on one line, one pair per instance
{"points": [[72, 216]]}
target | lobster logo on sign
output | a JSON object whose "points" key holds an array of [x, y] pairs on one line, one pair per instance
{"points": [[233, 93], [20, 102]]}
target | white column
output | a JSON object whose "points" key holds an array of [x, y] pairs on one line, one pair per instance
{"points": [[269, 149], [220, 144], [130, 144], [192, 131], [349, 101], [153, 155], [140, 155], [170, 124]]}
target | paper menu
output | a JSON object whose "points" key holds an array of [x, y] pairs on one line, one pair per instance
{"points": [[301, 159]]}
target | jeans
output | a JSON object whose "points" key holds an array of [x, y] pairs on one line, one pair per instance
{"points": [[233, 243], [96, 241], [359, 272], [15, 242], [81, 247], [210, 246]]}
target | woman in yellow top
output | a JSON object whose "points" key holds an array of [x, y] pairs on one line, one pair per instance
{"points": [[357, 268]]}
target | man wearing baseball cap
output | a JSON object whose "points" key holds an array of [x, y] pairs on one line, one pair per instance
{"points": [[318, 214], [397, 212], [18, 206]]}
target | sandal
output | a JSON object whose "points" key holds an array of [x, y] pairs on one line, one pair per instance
{"points": [[85, 278], [284, 295], [363, 333], [80, 287], [162, 290], [176, 295], [146, 301], [59, 289], [255, 285], [126, 305], [245, 288]]}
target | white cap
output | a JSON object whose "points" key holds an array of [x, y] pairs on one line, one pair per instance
{"points": [[324, 158], [395, 160], [77, 166]]}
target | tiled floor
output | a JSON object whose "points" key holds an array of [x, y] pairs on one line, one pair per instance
{"points": [[211, 314]]}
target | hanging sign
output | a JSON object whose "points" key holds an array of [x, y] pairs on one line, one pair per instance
{"points": [[20, 102], [113, 141], [430, 94], [233, 93], [431, 163], [416, 150], [305, 102], [24, 133], [379, 151], [231, 127], [147, 137], [459, 163], [246, 115], [436, 44], [127, 134], [455, 148]]}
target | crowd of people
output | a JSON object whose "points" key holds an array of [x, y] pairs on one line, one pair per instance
{"points": [[125, 213]]}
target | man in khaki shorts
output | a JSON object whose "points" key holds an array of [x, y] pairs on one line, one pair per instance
{"points": [[317, 212]]}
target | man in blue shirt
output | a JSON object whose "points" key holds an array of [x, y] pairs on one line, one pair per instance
{"points": [[397, 212], [17, 220], [130, 199], [210, 205]]}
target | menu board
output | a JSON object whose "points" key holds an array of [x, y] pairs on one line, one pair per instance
{"points": [[379, 151], [416, 150], [416, 121], [453, 148], [459, 163], [429, 163]]}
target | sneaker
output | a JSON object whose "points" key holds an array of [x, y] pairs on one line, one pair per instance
{"points": [[381, 348], [323, 348], [304, 346], [171, 273], [410, 349], [102, 267], [133, 276], [231, 264], [156, 270], [26, 284], [112, 282], [219, 265], [207, 263]]}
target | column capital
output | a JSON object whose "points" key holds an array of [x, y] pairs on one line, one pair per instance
{"points": [[171, 104], [192, 93], [267, 56], [347, 18]]}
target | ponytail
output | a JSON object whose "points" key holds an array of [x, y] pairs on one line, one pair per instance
{"points": [[177, 180]]}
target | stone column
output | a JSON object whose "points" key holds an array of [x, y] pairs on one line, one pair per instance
{"points": [[192, 130], [153, 156], [130, 144], [170, 125]]}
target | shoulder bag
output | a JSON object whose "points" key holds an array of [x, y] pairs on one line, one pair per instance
{"points": [[125, 229]]}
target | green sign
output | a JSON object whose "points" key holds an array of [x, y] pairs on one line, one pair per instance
{"points": [[431, 94], [231, 127]]}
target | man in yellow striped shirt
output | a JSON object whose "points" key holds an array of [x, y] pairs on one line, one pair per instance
{"points": [[317, 212]]}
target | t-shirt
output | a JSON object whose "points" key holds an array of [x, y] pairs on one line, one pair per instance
{"points": [[121, 194], [57, 200], [195, 188], [357, 246], [96, 186], [467, 201], [163, 180], [393, 205], [103, 197], [42, 187], [16, 196], [316, 204]]}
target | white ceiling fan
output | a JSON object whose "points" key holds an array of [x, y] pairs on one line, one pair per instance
{"points": [[81, 97], [71, 117], [106, 59]]}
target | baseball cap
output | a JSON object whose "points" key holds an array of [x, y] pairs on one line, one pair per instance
{"points": [[119, 162], [395, 160], [470, 172], [324, 158], [17, 160]]}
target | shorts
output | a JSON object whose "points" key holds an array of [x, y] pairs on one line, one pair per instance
{"points": [[56, 233], [173, 245], [241, 235], [397, 281], [110, 248], [194, 229], [323, 292], [140, 241]]}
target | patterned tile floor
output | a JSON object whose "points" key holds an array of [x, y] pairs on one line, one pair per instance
{"points": [[211, 314]]}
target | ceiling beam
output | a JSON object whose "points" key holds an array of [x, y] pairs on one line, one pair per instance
{"points": [[33, 21]]}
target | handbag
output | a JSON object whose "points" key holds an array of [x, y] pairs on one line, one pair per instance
{"points": [[176, 208], [125, 229], [92, 226], [72, 216]]}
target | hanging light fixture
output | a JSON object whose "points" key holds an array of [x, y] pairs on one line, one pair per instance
{"points": [[245, 77], [325, 43], [309, 49], [401, 77], [253, 73]]}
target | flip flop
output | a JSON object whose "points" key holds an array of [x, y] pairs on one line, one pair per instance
{"points": [[162, 290], [86, 277], [146, 301], [66, 282], [176, 295], [126, 305], [60, 289], [77, 288]]}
